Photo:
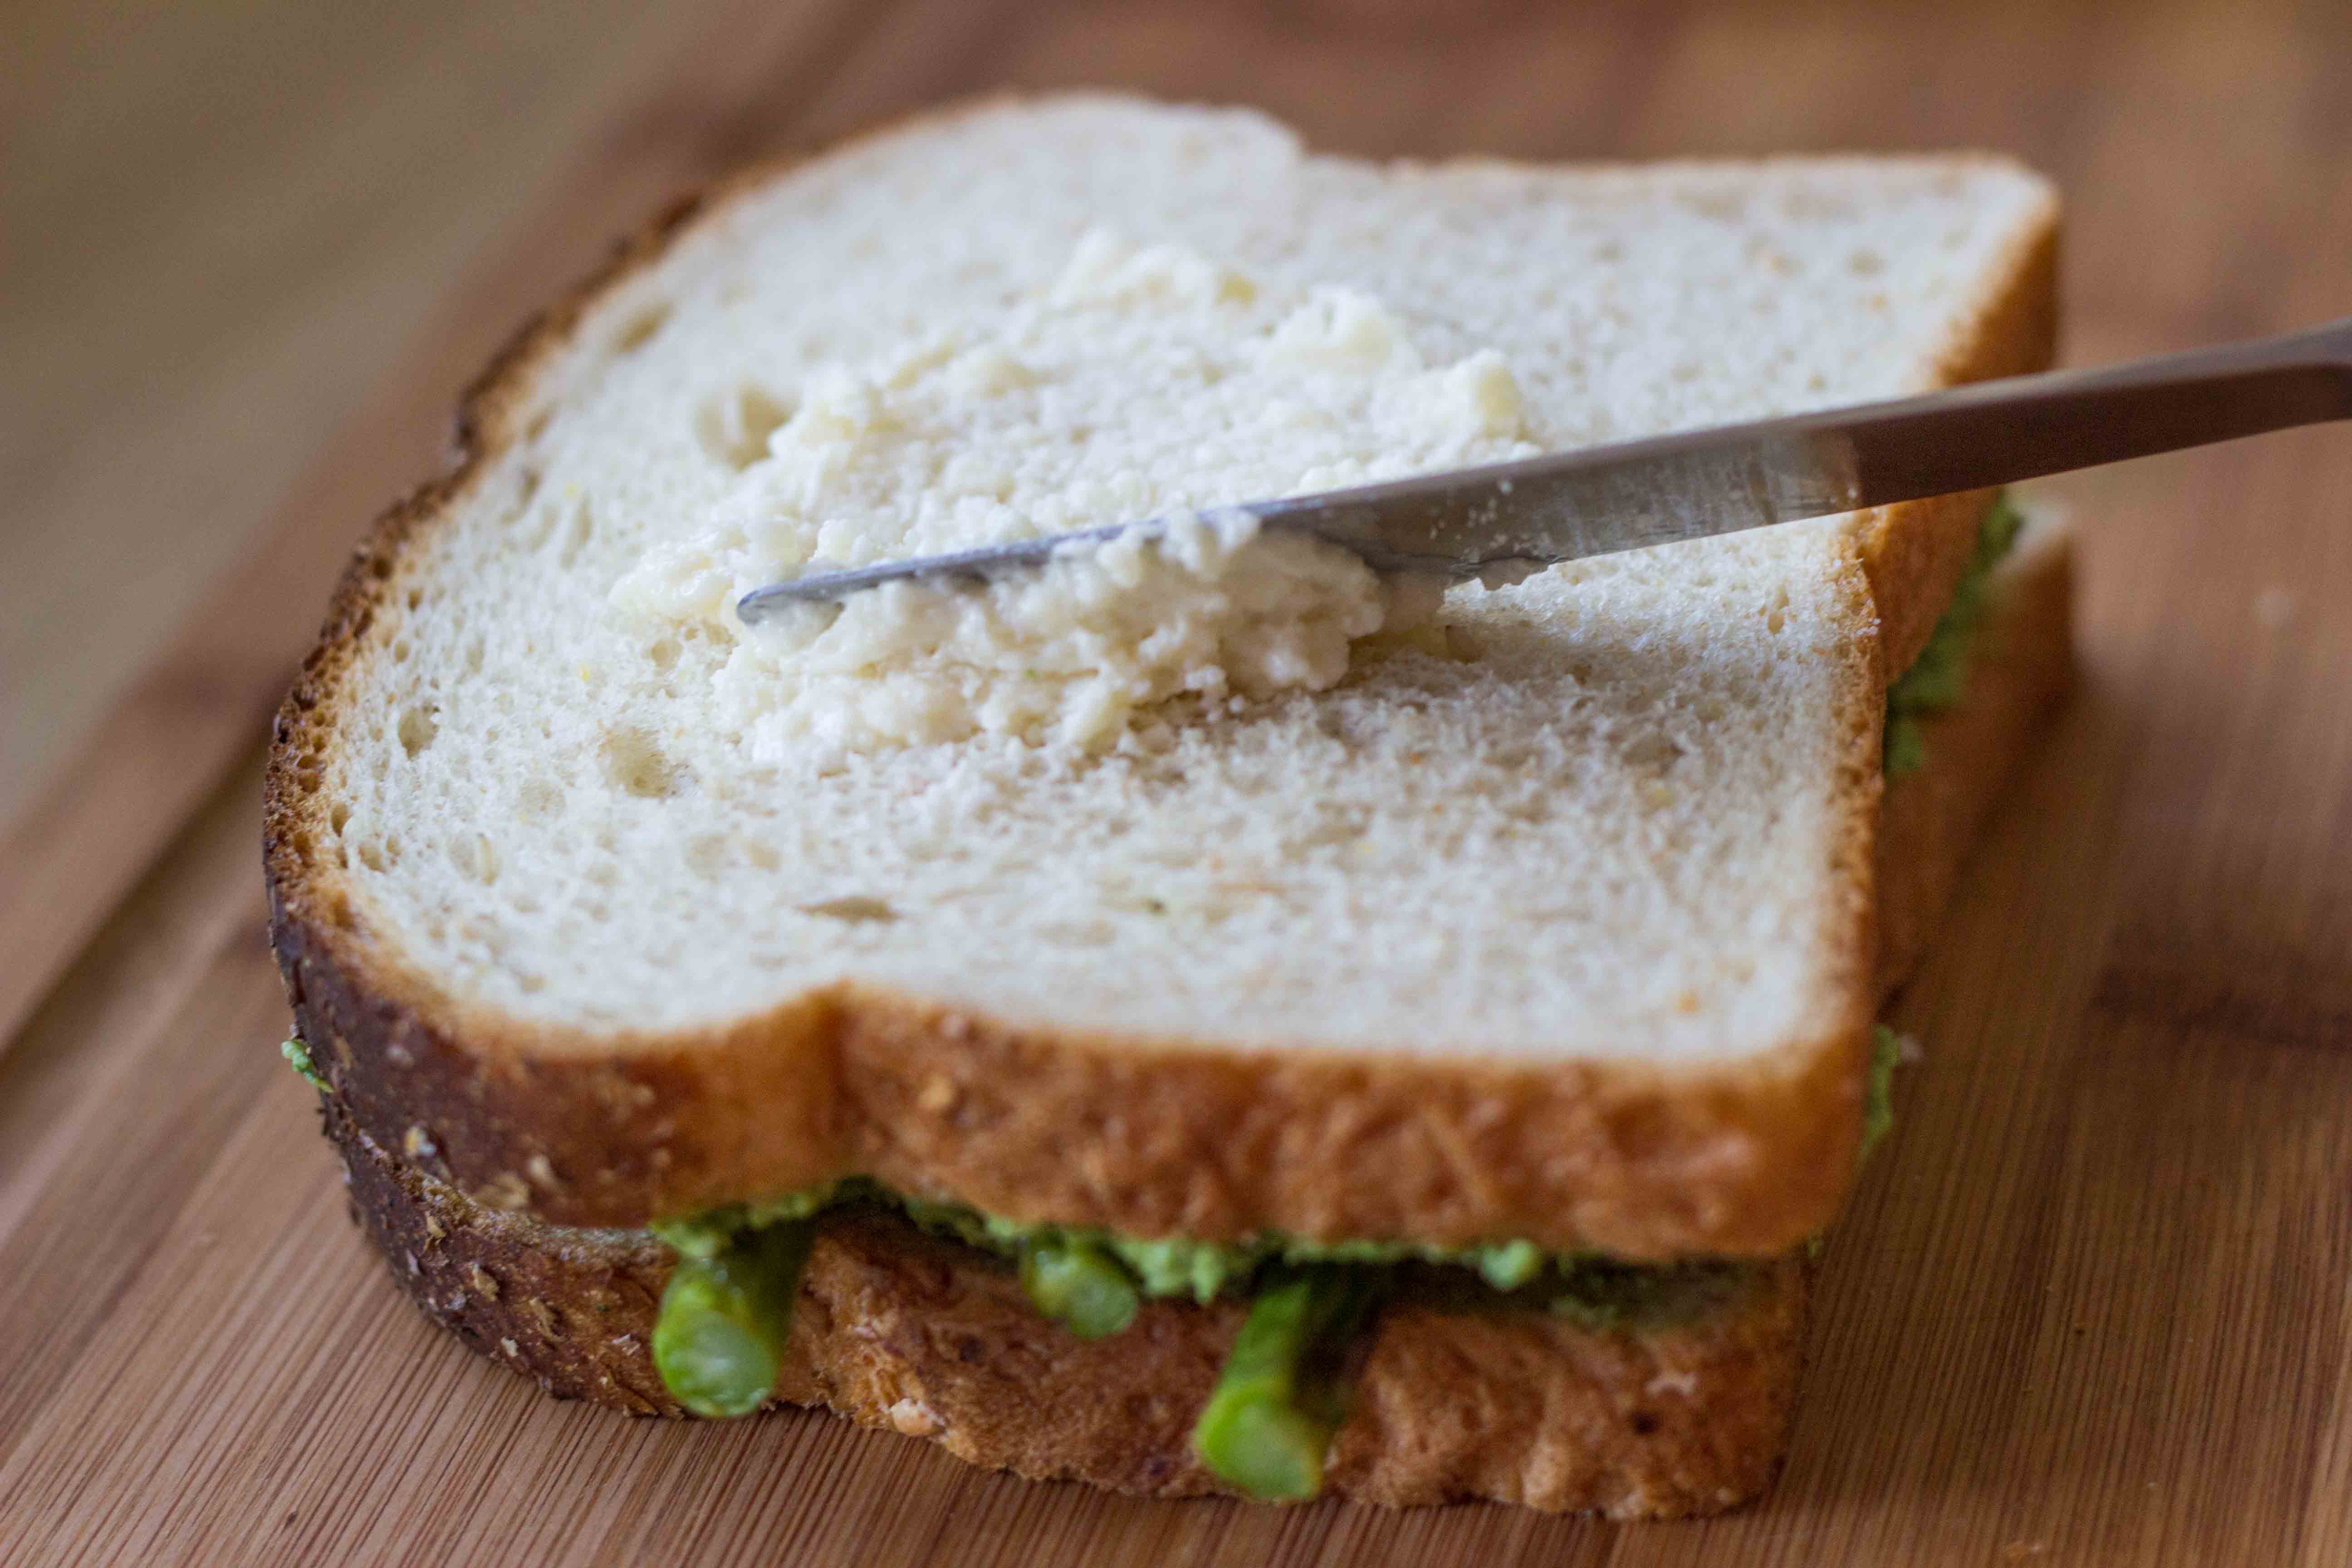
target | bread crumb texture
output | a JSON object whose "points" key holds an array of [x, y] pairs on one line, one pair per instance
{"points": [[1600, 812]]}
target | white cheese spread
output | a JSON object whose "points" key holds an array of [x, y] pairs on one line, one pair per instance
{"points": [[1145, 382]]}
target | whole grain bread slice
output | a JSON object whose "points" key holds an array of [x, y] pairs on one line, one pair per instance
{"points": [[934, 1338], [1080, 1115]]}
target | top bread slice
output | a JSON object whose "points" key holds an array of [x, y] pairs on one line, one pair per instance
{"points": [[1553, 922]]}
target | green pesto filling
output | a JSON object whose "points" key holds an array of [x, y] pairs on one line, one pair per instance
{"points": [[1878, 1103], [1162, 1266], [298, 1057], [1938, 678]]}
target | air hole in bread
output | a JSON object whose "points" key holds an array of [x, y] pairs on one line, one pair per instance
{"points": [[856, 907], [1094, 933], [640, 327], [475, 857], [635, 763], [536, 526], [1331, 827], [1723, 207], [734, 428], [707, 855], [336, 819], [1653, 751], [576, 535], [540, 799], [417, 728]]}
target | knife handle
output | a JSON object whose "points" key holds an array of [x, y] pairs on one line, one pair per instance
{"points": [[2025, 426]]}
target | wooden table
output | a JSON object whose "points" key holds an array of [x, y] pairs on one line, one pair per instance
{"points": [[2093, 1302]]}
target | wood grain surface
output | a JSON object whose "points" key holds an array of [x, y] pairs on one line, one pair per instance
{"points": [[2093, 1302]]}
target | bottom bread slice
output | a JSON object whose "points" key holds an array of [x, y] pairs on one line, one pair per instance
{"points": [[1458, 1395]]}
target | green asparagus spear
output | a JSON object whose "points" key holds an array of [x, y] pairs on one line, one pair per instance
{"points": [[1080, 1284], [1280, 1397], [724, 1320]]}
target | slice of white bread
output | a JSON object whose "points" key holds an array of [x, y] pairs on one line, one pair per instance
{"points": [[1557, 927], [1683, 1413]]}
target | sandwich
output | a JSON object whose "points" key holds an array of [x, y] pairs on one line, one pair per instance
{"points": [[1199, 1016]]}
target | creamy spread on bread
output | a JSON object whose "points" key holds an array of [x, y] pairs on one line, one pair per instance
{"points": [[1143, 381]]}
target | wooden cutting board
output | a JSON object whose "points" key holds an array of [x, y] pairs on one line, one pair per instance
{"points": [[2093, 1302]]}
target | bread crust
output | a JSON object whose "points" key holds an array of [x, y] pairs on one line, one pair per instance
{"points": [[1145, 1136], [897, 1329]]}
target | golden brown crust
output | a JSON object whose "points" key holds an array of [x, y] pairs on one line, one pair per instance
{"points": [[934, 1338], [1146, 1139], [1143, 1136]]}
